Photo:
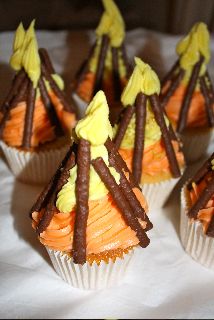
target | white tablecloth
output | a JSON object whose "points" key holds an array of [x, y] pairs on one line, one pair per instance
{"points": [[164, 283]]}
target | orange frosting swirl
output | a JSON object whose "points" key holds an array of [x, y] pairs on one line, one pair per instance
{"points": [[42, 130], [154, 160], [196, 117], [204, 215], [106, 228]]}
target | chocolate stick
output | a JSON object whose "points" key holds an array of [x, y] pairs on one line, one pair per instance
{"points": [[126, 188], [210, 86], [170, 74], [210, 229], [187, 99], [120, 200], [201, 202], [113, 152], [101, 64], [30, 106], [156, 107], [59, 93], [116, 75], [208, 101], [48, 190], [174, 84], [140, 105], [50, 108], [46, 60], [17, 80], [125, 59], [201, 172], [126, 118], [51, 208], [82, 207]]}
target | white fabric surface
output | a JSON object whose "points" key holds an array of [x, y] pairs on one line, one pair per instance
{"points": [[164, 283]]}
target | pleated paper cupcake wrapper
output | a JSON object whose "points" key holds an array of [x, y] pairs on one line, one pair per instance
{"points": [[157, 194], [91, 277], [195, 145], [81, 105], [33, 167], [197, 244]]}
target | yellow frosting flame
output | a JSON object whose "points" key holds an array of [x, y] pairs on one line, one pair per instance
{"points": [[96, 128], [196, 43], [212, 163], [143, 79], [18, 48], [112, 24]]}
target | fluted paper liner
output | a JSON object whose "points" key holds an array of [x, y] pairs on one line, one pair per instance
{"points": [[197, 244], [91, 277], [33, 167]]}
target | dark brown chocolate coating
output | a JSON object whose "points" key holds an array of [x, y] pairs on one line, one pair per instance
{"points": [[201, 202], [210, 86], [82, 197], [46, 60], [101, 64], [173, 86], [28, 124], [159, 117], [208, 101], [126, 118], [126, 61], [50, 109], [140, 106], [120, 200], [170, 74], [188, 96], [116, 74]]}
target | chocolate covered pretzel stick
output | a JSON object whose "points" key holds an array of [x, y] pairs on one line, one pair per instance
{"points": [[174, 84], [125, 59], [156, 107], [187, 99], [201, 202], [82, 207], [170, 74], [208, 101], [140, 106], [46, 60], [30, 106], [126, 118], [120, 200], [101, 64]]}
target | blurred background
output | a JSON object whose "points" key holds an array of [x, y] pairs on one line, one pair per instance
{"points": [[169, 16]]}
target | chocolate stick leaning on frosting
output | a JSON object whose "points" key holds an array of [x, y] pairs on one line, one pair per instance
{"points": [[143, 134], [97, 209]]}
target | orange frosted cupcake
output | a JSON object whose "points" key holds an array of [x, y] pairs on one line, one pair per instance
{"points": [[35, 119], [197, 215], [92, 216], [187, 93], [145, 138], [106, 67]]}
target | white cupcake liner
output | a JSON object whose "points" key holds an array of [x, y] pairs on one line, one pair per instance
{"points": [[33, 167], [157, 194], [196, 145], [197, 244], [80, 104], [90, 277]]}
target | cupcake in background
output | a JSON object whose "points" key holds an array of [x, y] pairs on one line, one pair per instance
{"points": [[187, 93], [145, 138], [92, 217], [197, 215], [106, 66], [35, 118]]}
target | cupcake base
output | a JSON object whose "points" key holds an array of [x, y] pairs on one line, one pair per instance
{"points": [[196, 142], [197, 244], [90, 277], [33, 167]]}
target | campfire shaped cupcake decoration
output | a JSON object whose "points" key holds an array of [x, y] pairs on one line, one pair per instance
{"points": [[187, 93], [107, 66], [35, 116], [92, 216], [145, 138]]}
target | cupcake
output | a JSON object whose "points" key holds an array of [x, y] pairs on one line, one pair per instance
{"points": [[187, 93], [197, 215], [91, 217], [145, 138], [106, 66], [35, 119]]}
